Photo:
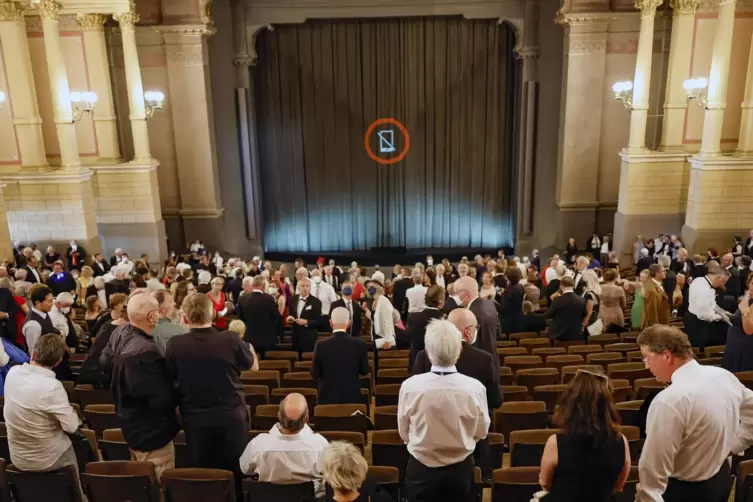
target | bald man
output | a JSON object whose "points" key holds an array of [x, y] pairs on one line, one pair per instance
{"points": [[291, 452], [339, 361], [465, 294], [144, 397]]}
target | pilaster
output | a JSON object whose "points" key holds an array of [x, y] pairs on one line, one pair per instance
{"points": [[6, 244], [188, 79], [95, 52], [745, 142], [21, 92]]}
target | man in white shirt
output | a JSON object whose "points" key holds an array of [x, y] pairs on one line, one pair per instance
{"points": [[692, 425], [704, 318], [441, 407], [324, 292], [291, 452], [417, 294], [330, 278], [440, 275], [37, 413]]}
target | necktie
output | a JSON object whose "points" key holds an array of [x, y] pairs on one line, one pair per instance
{"points": [[316, 293]]}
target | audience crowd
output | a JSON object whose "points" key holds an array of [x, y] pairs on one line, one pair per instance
{"points": [[171, 343]]}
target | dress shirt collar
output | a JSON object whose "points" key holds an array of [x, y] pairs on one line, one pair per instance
{"points": [[443, 369], [257, 291], [339, 331], [305, 432], [431, 308], [471, 302], [568, 290], [39, 312], [658, 284], [684, 370], [302, 298], [39, 370]]}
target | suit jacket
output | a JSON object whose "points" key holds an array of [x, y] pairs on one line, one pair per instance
{"points": [[699, 271], [643, 264], [113, 261], [100, 269], [567, 312], [116, 286], [417, 323], [474, 363], [312, 312], [580, 283], [746, 249], [338, 363], [684, 267], [80, 257], [734, 286], [489, 328], [399, 288], [533, 323], [30, 277], [656, 305], [264, 324], [449, 306], [335, 281], [744, 274], [669, 283], [355, 323]]}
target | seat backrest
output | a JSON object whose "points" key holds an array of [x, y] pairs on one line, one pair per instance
{"points": [[383, 474], [630, 432], [511, 351], [394, 354], [548, 351], [585, 349], [527, 446], [523, 336], [533, 377], [198, 485], [281, 366], [605, 357], [521, 415], [388, 449], [355, 438], [56, 486], [393, 363], [87, 395], [512, 393], [311, 395], [133, 488], [568, 372], [338, 410], [515, 484], [385, 417], [257, 491], [549, 394], [532, 343]]}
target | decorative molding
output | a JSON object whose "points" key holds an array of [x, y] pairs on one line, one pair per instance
{"points": [[92, 22], [50, 176], [653, 157], [49, 10], [712, 6], [127, 20], [195, 30], [193, 214], [585, 206], [648, 7], [684, 6], [186, 57], [721, 163], [244, 61], [586, 47], [584, 18], [205, 12], [528, 53], [12, 11]]}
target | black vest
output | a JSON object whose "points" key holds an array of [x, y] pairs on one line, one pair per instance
{"points": [[45, 322]]}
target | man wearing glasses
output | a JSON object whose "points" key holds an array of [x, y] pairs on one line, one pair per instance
{"points": [[693, 425]]}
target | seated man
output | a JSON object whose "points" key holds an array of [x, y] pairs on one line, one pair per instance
{"points": [[531, 320], [37, 411], [291, 452]]}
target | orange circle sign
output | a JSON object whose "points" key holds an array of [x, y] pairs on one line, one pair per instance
{"points": [[370, 131]]}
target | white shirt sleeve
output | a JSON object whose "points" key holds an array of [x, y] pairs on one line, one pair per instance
{"points": [[551, 274], [250, 459], [745, 433], [664, 429], [4, 358], [384, 324], [482, 427], [702, 301], [57, 404], [403, 420], [32, 331]]}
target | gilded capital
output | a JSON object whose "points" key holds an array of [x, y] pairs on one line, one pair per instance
{"points": [[685, 6], [127, 20], [92, 22], [49, 10], [647, 7], [12, 11]]}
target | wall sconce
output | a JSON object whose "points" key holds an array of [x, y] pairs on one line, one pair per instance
{"points": [[696, 89], [153, 101], [3, 97], [82, 102], [623, 92]]}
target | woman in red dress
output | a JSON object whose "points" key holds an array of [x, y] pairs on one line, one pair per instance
{"points": [[218, 301]]}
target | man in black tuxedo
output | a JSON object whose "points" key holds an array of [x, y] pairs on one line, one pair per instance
{"points": [[305, 314], [75, 256], [339, 361], [644, 261], [669, 283], [118, 285], [118, 258], [331, 278], [32, 273], [681, 265], [466, 295], [99, 265], [734, 287], [400, 286], [567, 312], [351, 306], [581, 265], [259, 312]]}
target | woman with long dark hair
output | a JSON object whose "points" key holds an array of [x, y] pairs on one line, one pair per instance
{"points": [[588, 460]]}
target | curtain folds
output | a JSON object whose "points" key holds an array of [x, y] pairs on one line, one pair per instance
{"points": [[320, 85]]}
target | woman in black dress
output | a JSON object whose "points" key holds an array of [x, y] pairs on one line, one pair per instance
{"points": [[511, 302], [418, 321], [590, 459], [738, 354]]}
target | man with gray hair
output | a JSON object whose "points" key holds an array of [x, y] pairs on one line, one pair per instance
{"points": [[259, 311], [339, 361], [291, 452], [466, 295], [120, 284], [734, 287], [206, 366], [441, 407]]}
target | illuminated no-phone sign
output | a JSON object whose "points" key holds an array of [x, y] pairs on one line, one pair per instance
{"points": [[386, 141]]}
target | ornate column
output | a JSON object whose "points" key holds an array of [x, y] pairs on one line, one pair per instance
{"points": [[95, 51], [137, 109], [717, 91], [20, 79], [745, 142], [680, 54], [584, 68], [49, 11], [642, 80], [528, 51], [188, 80]]}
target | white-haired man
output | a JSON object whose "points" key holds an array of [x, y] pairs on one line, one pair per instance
{"points": [[117, 259], [466, 295], [581, 265], [324, 292], [300, 273], [441, 473], [339, 361], [120, 284], [305, 315], [644, 261]]}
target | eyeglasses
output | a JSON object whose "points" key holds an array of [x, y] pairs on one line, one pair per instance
{"points": [[592, 373]]}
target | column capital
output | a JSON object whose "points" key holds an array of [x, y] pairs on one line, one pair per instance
{"points": [[92, 22], [127, 20], [684, 6], [12, 11], [244, 61], [49, 10], [647, 7]]}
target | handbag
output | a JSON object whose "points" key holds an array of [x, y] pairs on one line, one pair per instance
{"points": [[596, 328]]}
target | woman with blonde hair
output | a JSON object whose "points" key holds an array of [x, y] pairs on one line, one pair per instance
{"points": [[345, 470], [219, 302], [85, 280], [592, 295], [590, 459]]}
